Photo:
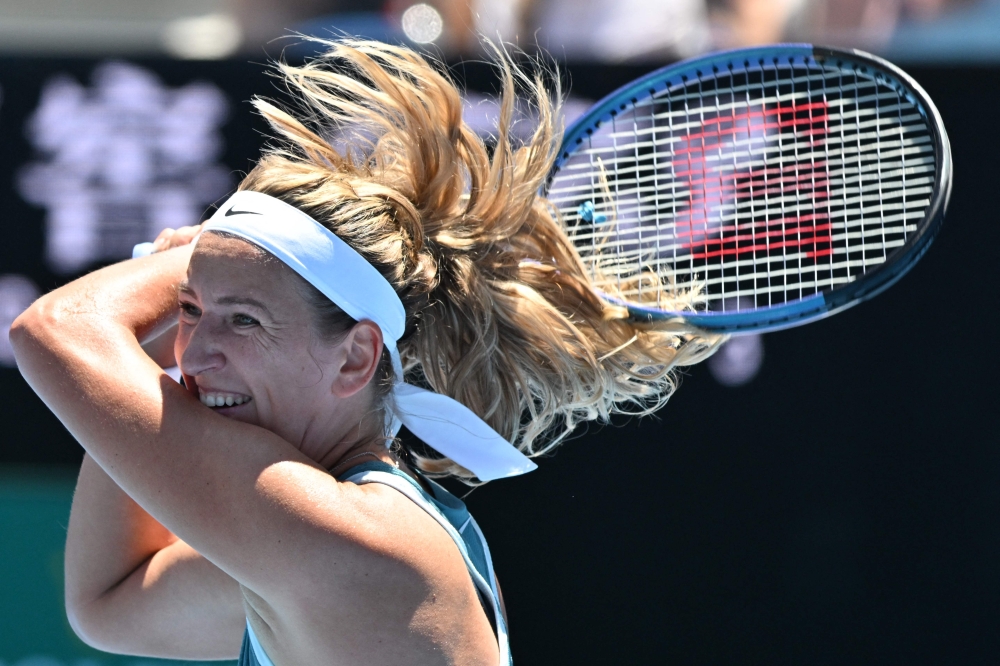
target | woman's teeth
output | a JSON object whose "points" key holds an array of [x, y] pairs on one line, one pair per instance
{"points": [[222, 399]]}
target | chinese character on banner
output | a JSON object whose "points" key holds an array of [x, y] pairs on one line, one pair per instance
{"points": [[121, 160]]}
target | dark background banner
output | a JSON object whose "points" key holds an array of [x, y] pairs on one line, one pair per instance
{"points": [[843, 506]]}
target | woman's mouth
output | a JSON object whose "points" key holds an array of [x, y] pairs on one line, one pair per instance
{"points": [[217, 399]]}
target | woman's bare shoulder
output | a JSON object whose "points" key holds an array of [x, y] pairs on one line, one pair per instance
{"points": [[381, 535], [407, 591]]}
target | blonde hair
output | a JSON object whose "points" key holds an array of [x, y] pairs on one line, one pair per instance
{"points": [[501, 314]]}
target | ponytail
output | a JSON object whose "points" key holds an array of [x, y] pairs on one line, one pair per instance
{"points": [[501, 313]]}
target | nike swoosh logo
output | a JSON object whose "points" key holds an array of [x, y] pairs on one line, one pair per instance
{"points": [[233, 211]]}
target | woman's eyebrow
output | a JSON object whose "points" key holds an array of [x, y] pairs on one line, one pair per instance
{"points": [[185, 288], [243, 300]]}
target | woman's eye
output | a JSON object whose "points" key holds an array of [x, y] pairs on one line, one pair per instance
{"points": [[244, 320], [190, 310]]}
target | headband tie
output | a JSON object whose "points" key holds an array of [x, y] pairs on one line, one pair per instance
{"points": [[346, 278]]}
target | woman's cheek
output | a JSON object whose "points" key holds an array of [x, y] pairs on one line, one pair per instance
{"points": [[181, 341]]}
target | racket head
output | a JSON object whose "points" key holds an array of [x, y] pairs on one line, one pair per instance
{"points": [[786, 183]]}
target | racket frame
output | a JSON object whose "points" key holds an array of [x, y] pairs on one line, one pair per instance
{"points": [[816, 306]]}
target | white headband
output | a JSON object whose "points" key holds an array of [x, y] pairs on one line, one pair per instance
{"points": [[343, 276]]}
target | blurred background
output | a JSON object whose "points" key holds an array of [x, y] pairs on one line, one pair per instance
{"points": [[606, 31], [829, 494]]}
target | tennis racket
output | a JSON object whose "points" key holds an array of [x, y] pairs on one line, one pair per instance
{"points": [[755, 189]]}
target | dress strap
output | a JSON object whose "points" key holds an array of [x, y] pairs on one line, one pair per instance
{"points": [[252, 653]]}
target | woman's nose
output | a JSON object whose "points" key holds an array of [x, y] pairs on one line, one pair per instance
{"points": [[202, 352]]}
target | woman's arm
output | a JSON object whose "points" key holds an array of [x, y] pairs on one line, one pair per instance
{"points": [[78, 349], [132, 586], [247, 500]]}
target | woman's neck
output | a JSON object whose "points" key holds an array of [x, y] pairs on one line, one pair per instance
{"points": [[361, 455], [364, 456]]}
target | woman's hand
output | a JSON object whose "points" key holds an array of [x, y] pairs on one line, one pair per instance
{"points": [[170, 238]]}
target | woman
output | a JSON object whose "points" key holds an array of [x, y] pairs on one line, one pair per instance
{"points": [[263, 498]]}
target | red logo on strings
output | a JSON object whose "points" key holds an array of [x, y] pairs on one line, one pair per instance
{"points": [[721, 198]]}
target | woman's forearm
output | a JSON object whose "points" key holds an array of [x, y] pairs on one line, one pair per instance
{"points": [[140, 294], [92, 321]]}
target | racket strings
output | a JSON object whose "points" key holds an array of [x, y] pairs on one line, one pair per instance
{"points": [[647, 285], [750, 188]]}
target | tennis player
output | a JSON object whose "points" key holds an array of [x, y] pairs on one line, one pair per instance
{"points": [[376, 242]]}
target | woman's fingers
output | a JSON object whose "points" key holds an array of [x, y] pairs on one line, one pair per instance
{"points": [[170, 238], [162, 241], [184, 235]]}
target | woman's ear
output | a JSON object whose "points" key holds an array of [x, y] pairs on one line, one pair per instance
{"points": [[361, 351]]}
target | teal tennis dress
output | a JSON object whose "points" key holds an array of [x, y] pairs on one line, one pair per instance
{"points": [[451, 514]]}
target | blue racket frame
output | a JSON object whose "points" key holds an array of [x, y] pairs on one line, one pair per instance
{"points": [[819, 305]]}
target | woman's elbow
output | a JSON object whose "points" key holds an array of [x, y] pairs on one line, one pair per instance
{"points": [[27, 326], [20, 330], [102, 623], [23, 338], [88, 624], [34, 333]]}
